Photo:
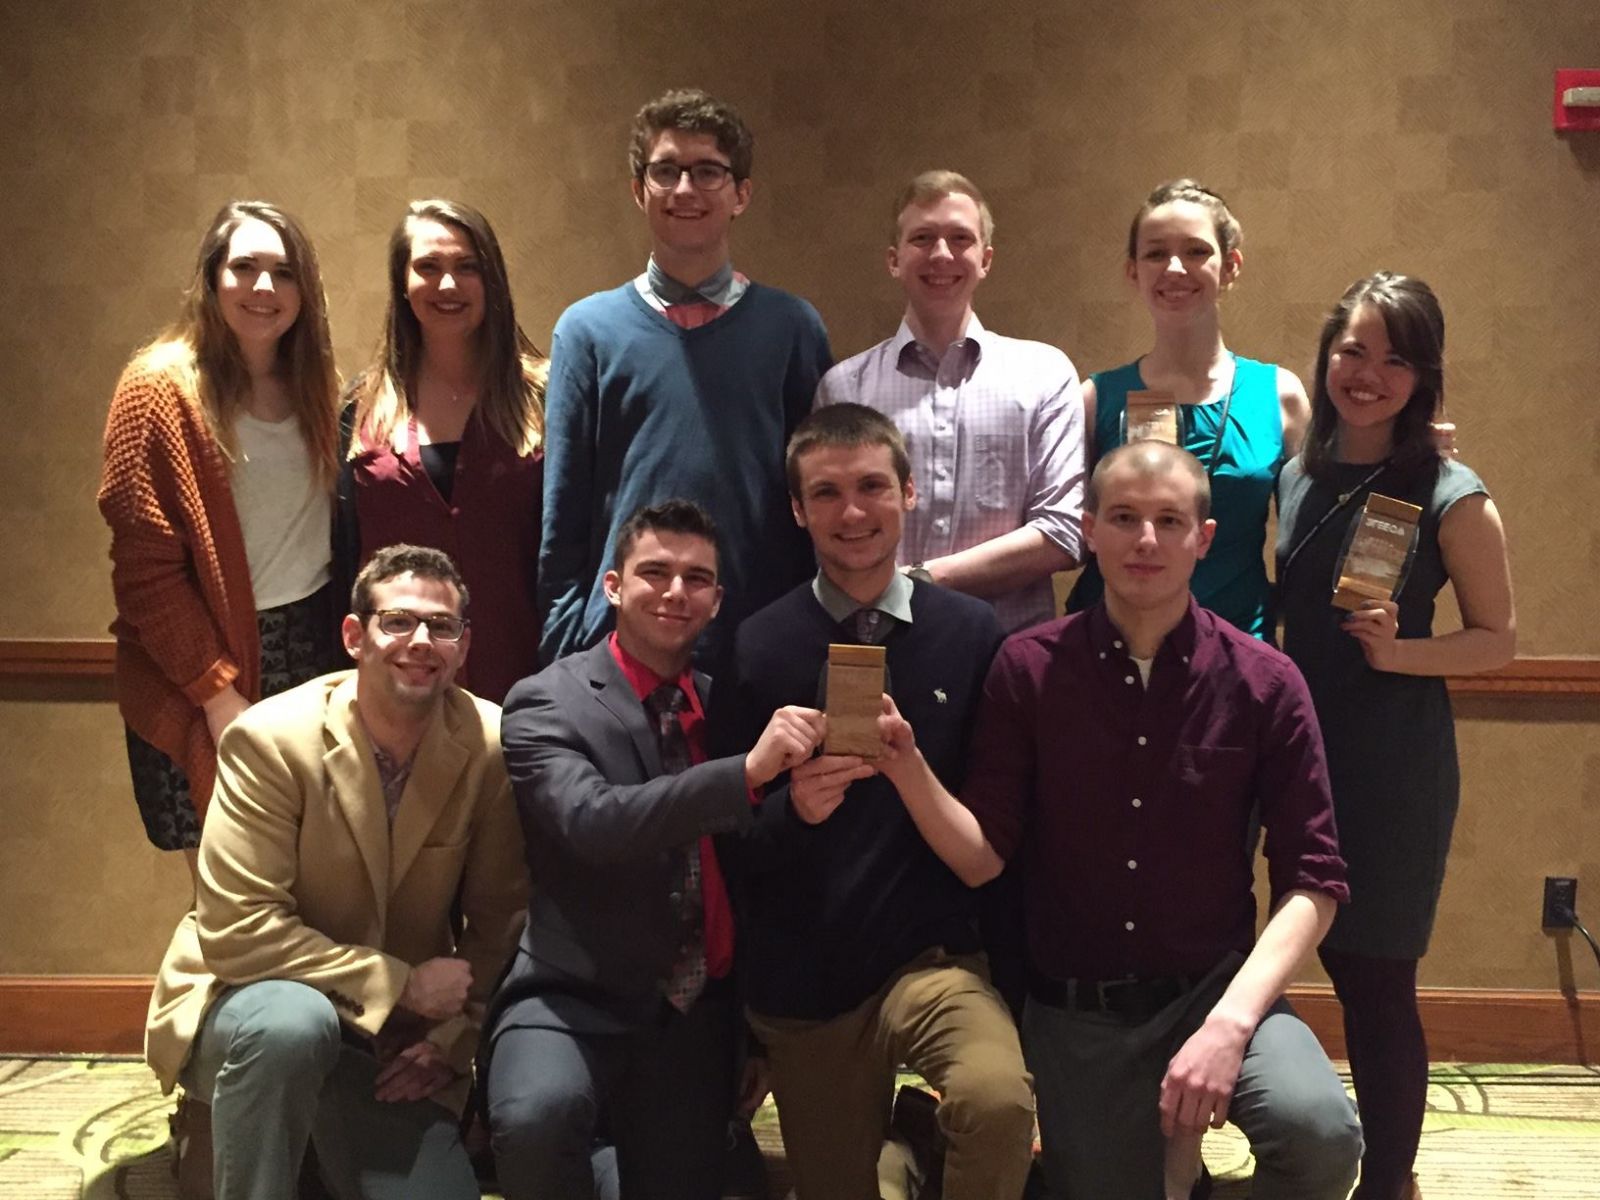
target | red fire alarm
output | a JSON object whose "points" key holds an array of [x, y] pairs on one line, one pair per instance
{"points": [[1577, 99]]}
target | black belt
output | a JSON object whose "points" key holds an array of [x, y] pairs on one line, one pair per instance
{"points": [[1132, 999]]}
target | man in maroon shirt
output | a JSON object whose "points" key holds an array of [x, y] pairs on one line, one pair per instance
{"points": [[1120, 753], [618, 1013]]}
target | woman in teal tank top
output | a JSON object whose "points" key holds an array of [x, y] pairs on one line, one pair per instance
{"points": [[1241, 418]]}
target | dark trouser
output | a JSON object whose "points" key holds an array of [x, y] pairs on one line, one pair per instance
{"points": [[661, 1094], [1098, 1079], [1388, 1063]]}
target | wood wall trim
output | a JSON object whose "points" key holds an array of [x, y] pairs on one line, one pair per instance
{"points": [[1479, 1024], [1533, 677], [58, 658], [46, 658], [73, 1014], [105, 1014]]}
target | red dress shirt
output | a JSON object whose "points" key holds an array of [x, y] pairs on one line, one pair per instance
{"points": [[1130, 805]]}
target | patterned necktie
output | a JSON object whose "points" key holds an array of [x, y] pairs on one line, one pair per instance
{"points": [[688, 977], [869, 625]]}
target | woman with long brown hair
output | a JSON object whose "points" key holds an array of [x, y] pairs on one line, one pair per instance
{"points": [[446, 431], [221, 449]]}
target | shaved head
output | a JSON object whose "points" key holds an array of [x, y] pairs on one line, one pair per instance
{"points": [[1145, 459]]}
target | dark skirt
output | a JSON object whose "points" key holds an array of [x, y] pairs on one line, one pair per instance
{"points": [[296, 645]]}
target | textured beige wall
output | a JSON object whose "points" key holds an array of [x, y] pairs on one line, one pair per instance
{"points": [[1348, 136]]}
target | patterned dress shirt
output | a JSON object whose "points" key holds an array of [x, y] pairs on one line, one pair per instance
{"points": [[995, 434]]}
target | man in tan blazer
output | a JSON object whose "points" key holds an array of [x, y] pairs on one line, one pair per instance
{"points": [[317, 989]]}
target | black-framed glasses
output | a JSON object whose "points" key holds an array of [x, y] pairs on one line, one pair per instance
{"points": [[705, 176], [400, 622]]}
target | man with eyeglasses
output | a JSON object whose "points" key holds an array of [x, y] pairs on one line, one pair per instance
{"points": [[685, 381], [319, 989], [619, 1016]]}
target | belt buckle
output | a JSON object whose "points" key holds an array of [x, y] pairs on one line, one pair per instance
{"points": [[1106, 989]]}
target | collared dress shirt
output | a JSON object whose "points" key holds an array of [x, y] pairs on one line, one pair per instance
{"points": [[713, 889], [691, 306], [995, 434], [1131, 805], [895, 602]]}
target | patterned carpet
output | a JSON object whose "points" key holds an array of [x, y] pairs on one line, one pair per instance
{"points": [[95, 1129]]}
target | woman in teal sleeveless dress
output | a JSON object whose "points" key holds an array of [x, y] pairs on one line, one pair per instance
{"points": [[1376, 677], [1241, 418]]}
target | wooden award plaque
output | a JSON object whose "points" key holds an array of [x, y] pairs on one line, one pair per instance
{"points": [[855, 700], [1151, 417], [1379, 553]]}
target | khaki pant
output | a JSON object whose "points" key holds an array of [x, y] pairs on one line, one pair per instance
{"points": [[834, 1083]]}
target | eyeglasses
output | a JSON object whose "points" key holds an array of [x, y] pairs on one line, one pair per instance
{"points": [[400, 622], [707, 176]]}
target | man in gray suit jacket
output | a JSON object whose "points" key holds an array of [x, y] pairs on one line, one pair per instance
{"points": [[617, 1018]]}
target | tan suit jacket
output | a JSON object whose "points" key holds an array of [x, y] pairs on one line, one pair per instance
{"points": [[301, 877]]}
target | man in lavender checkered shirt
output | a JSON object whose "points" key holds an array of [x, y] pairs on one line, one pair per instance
{"points": [[994, 425]]}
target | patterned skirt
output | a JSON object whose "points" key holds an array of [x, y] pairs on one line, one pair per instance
{"points": [[297, 644]]}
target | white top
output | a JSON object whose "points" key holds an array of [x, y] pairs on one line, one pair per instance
{"points": [[287, 516]]}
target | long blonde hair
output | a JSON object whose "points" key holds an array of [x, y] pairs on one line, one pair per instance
{"points": [[512, 371], [201, 352]]}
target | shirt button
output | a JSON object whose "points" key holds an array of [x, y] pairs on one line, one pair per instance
{"points": [[1133, 864], [1127, 679], [1141, 739], [1102, 654], [1118, 645], [1128, 925], [1185, 658], [1138, 803]]}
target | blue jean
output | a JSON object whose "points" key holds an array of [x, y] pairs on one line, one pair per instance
{"points": [[270, 1062]]}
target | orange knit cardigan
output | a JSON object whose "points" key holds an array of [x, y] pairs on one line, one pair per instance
{"points": [[186, 614]]}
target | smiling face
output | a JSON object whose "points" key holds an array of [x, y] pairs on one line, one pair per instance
{"points": [[940, 256], [1178, 266], [1368, 381], [686, 222], [411, 672], [853, 505], [1147, 535], [258, 291], [444, 283], [665, 594]]}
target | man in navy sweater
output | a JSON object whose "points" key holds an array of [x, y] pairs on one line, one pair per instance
{"points": [[860, 946], [684, 382]]}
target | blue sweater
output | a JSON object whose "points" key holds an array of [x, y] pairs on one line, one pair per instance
{"points": [[827, 913], [640, 410]]}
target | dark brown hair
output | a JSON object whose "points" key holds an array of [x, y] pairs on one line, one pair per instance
{"points": [[1415, 325], [844, 425], [670, 516], [399, 559], [1230, 234], [692, 111], [512, 371]]}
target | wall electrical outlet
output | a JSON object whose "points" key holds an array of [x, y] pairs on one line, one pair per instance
{"points": [[1560, 902]]}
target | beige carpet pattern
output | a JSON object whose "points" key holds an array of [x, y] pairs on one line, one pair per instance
{"points": [[95, 1129]]}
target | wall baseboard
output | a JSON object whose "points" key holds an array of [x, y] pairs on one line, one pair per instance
{"points": [[1479, 1025], [104, 1014], [73, 1014]]}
